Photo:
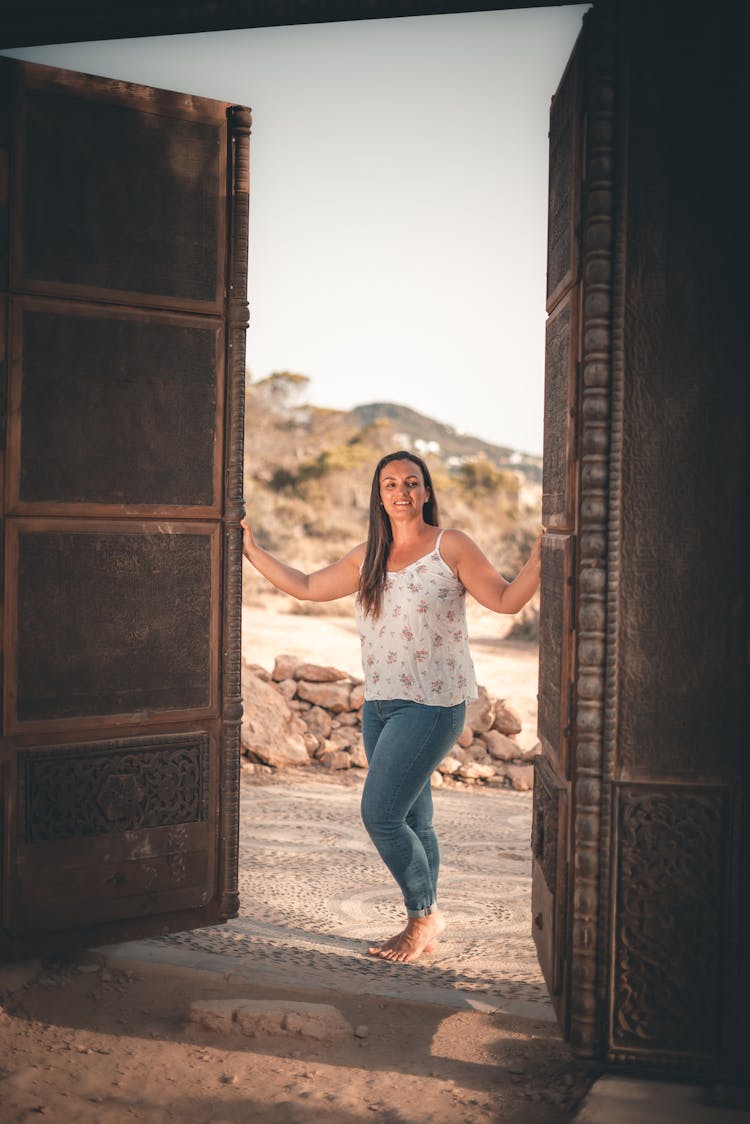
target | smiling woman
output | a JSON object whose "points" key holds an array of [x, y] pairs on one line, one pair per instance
{"points": [[411, 578]]}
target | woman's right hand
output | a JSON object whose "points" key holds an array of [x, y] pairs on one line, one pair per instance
{"points": [[248, 542]]}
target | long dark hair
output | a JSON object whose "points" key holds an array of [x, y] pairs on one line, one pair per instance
{"points": [[380, 536]]}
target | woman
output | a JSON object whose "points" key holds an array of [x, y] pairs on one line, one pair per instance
{"points": [[411, 580]]}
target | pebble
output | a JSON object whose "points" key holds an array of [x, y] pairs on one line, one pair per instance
{"points": [[361, 1031]]}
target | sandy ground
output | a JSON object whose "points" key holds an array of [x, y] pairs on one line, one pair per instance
{"points": [[466, 1035]]}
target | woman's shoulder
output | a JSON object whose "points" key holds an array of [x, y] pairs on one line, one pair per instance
{"points": [[452, 539], [452, 544], [357, 554]]}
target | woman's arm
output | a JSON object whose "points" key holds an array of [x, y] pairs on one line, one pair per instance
{"points": [[481, 579], [336, 580]]}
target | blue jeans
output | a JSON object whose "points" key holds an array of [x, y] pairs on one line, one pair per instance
{"points": [[404, 743]]}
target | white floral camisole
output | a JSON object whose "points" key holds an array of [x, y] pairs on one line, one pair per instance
{"points": [[418, 648]]}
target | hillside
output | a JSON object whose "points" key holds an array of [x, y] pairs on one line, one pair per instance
{"points": [[452, 443], [308, 473]]}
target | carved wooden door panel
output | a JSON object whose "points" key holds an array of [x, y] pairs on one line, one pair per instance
{"points": [[572, 812], [123, 261], [551, 822]]}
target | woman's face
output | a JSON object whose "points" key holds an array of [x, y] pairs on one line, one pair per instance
{"points": [[402, 489]]}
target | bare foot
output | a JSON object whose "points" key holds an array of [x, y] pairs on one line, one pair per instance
{"points": [[383, 946], [420, 935]]}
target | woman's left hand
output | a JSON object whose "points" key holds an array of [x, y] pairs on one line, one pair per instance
{"points": [[536, 551]]}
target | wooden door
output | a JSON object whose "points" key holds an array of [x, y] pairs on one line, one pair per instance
{"points": [[639, 841], [123, 262], [552, 789], [570, 824]]}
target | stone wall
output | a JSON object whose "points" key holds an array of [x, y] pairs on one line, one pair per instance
{"points": [[310, 715]]}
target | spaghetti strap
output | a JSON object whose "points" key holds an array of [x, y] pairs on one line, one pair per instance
{"points": [[437, 541]]}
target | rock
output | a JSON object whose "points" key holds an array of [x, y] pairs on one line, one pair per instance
{"points": [[465, 738], [501, 747], [506, 718], [284, 667], [478, 751], [320, 1021], [316, 673], [361, 1031], [297, 725], [521, 777], [267, 730], [318, 721], [475, 772], [344, 737], [357, 756], [333, 758], [312, 743], [479, 714], [332, 696], [449, 765], [357, 697], [436, 779], [213, 1014], [288, 688], [254, 1017], [348, 717], [292, 751]]}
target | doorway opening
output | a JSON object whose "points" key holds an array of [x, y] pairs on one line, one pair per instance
{"points": [[301, 487]]}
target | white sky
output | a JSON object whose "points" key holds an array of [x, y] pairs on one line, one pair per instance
{"points": [[398, 200]]}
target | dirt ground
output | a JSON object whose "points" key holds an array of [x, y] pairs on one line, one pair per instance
{"points": [[86, 1044]]}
